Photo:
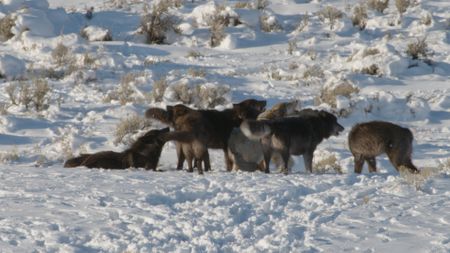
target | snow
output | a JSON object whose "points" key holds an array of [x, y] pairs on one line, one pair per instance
{"points": [[47, 208]]}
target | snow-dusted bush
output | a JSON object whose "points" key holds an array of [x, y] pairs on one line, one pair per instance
{"points": [[61, 54], [198, 95], [337, 94], [359, 16], [6, 24], [269, 23], [126, 91], [127, 127], [417, 49], [330, 14], [314, 71], [217, 31], [35, 93], [95, 33], [292, 46], [158, 89], [327, 164], [303, 23], [378, 5], [261, 4], [196, 72], [372, 70], [158, 23]]}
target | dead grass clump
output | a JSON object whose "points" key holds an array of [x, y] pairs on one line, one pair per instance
{"points": [[330, 14], [303, 23], [211, 96], [327, 165], [156, 24], [40, 94], [217, 30], [243, 5], [269, 23], [417, 179], [378, 5], [10, 156], [426, 19], [418, 49], [444, 165], [126, 92], [6, 23], [402, 5], [292, 46], [127, 127], [359, 17]]}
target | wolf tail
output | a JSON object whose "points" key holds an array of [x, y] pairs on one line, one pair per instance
{"points": [[181, 136], [76, 161], [158, 114], [256, 129]]}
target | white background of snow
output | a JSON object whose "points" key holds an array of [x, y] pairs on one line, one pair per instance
{"points": [[47, 208]]}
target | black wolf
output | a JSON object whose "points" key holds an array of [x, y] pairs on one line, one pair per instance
{"points": [[370, 139], [143, 153], [297, 135]]}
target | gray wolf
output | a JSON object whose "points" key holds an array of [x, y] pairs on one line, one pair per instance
{"points": [[297, 135], [370, 139], [143, 153], [246, 154]]}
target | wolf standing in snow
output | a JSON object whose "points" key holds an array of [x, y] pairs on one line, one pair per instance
{"points": [[298, 135], [370, 139]]}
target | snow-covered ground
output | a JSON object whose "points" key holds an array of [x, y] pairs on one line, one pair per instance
{"points": [[92, 86]]}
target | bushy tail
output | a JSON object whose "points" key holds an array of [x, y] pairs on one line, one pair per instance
{"points": [[76, 161], [181, 136], [255, 129], [159, 114]]}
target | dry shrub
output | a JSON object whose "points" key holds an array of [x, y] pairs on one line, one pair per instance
{"points": [[61, 54], [444, 165], [195, 72], [88, 60], [6, 23], [359, 17], [9, 156], [156, 24], [328, 164], [370, 51], [125, 93], [29, 94], [158, 89], [402, 5], [217, 30], [378, 5], [330, 14], [193, 54], [314, 71], [261, 4], [243, 5], [303, 23], [328, 95], [292, 46], [127, 127], [225, 17], [372, 70], [269, 23], [200, 96], [418, 49], [426, 19]]}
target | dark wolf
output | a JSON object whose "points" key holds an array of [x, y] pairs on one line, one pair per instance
{"points": [[370, 139], [216, 126], [143, 153], [297, 135]]}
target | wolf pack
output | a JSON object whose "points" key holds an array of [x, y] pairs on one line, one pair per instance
{"points": [[252, 137]]}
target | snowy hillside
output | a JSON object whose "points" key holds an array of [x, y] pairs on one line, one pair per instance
{"points": [[77, 76]]}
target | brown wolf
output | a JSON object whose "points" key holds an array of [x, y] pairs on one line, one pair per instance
{"points": [[246, 154], [216, 126], [370, 139], [297, 135], [143, 153]]}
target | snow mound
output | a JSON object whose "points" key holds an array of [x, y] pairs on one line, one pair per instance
{"points": [[11, 67], [96, 33]]}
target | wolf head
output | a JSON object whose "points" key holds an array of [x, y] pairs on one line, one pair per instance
{"points": [[249, 108]]}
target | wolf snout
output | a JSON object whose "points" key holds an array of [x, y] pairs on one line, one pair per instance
{"points": [[337, 129]]}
